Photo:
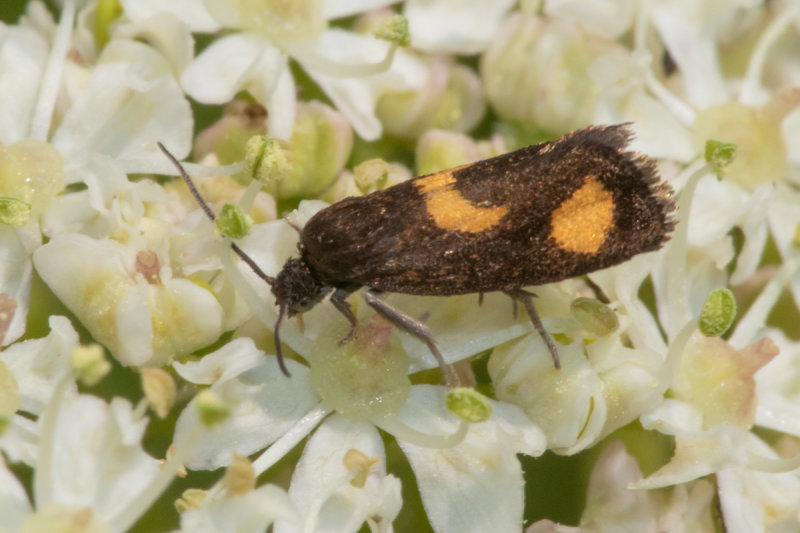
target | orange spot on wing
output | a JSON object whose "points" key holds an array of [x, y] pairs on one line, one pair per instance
{"points": [[581, 224], [451, 211]]}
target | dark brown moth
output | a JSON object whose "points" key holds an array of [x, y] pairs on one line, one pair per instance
{"points": [[541, 214]]}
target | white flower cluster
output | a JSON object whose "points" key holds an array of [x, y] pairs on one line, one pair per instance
{"points": [[138, 350]]}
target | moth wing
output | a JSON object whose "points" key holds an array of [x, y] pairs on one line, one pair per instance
{"points": [[541, 214]]}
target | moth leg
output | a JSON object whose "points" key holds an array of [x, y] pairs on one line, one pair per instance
{"points": [[338, 300], [527, 300], [415, 328]]}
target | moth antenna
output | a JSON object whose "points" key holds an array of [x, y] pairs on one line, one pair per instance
{"points": [[277, 336], [211, 216]]}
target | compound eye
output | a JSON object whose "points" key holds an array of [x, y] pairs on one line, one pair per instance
{"points": [[303, 305]]}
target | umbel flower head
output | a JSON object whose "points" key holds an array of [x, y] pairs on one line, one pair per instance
{"points": [[140, 387]]}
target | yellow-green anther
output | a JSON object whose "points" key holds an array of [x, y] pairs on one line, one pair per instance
{"points": [[266, 160], [233, 222], [595, 316], [90, 364], [190, 499], [239, 478], [719, 312], [371, 175], [159, 389], [105, 12], [210, 408], [394, 29], [719, 155], [14, 212], [796, 238], [468, 404]]}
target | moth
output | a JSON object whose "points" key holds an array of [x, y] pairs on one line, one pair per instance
{"points": [[537, 215]]}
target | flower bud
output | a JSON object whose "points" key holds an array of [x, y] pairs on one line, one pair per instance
{"points": [[468, 404], [536, 73], [320, 146], [452, 99]]}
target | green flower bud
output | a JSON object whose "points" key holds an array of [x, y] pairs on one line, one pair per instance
{"points": [[439, 150], [753, 136], [468, 404], [228, 137], [372, 174], [536, 73], [451, 100], [719, 312], [233, 222], [719, 155], [320, 146], [266, 160], [14, 212], [595, 316], [394, 29]]}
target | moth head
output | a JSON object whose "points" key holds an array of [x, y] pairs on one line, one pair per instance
{"points": [[297, 289]]}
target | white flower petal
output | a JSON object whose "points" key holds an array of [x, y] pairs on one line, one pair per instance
{"points": [[357, 97], [610, 505], [778, 387], [333, 9], [321, 481], [264, 405], [756, 501], [236, 357], [229, 65], [193, 13], [121, 114], [566, 403], [16, 273], [138, 322], [38, 364], [253, 511], [607, 18], [621, 284], [23, 54], [165, 33], [282, 106], [454, 26], [20, 439], [700, 454], [692, 46], [476, 485], [14, 504], [95, 464]]}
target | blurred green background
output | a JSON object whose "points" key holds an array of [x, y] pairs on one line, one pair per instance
{"points": [[10, 10]]}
